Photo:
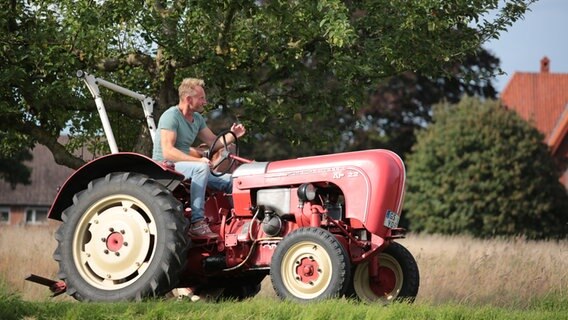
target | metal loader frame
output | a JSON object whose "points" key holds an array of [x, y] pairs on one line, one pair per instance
{"points": [[93, 84]]}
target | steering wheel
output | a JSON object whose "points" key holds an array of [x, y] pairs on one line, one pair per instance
{"points": [[225, 153]]}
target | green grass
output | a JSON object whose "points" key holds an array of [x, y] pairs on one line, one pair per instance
{"points": [[554, 306]]}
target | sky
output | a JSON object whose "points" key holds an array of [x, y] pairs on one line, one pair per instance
{"points": [[542, 32]]}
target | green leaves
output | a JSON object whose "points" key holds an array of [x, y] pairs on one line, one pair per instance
{"points": [[335, 23], [264, 61], [482, 170], [14, 150]]}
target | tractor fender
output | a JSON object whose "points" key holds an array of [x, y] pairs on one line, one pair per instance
{"points": [[100, 167]]}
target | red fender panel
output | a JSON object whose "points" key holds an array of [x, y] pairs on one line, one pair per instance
{"points": [[100, 167]]}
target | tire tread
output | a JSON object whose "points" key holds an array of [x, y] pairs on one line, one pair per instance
{"points": [[166, 274]]}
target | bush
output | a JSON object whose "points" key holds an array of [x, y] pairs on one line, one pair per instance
{"points": [[480, 169]]}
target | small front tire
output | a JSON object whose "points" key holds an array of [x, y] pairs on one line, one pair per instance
{"points": [[310, 264]]}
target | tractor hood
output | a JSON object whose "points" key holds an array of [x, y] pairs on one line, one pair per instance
{"points": [[372, 181]]}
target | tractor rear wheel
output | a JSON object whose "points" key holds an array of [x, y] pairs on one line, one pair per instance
{"points": [[398, 277], [310, 264], [124, 238]]}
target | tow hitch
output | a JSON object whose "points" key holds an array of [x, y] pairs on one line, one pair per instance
{"points": [[56, 287]]}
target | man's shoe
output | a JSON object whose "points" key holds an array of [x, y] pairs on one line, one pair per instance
{"points": [[200, 229]]}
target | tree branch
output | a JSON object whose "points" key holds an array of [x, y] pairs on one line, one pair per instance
{"points": [[113, 105], [60, 154], [136, 59], [222, 41]]}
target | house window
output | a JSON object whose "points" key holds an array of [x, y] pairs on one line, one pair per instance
{"points": [[36, 215], [4, 215]]}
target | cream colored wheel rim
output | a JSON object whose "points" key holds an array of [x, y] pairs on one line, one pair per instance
{"points": [[306, 270], [362, 284], [114, 242]]}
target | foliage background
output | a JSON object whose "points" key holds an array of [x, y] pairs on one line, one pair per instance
{"points": [[481, 169], [294, 72], [304, 77]]}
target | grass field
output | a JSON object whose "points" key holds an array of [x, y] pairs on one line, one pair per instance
{"points": [[497, 278], [265, 308]]}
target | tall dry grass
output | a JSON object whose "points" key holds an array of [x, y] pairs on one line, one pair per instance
{"points": [[497, 272], [25, 250]]}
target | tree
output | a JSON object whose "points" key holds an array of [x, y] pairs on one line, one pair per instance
{"points": [[481, 169], [397, 107], [277, 66], [402, 104], [12, 156]]}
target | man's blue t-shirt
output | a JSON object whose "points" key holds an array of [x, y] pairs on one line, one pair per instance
{"points": [[186, 132]]}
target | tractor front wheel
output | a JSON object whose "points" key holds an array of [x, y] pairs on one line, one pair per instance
{"points": [[124, 238], [398, 277], [310, 264]]}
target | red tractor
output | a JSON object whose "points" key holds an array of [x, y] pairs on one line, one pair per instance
{"points": [[321, 227]]}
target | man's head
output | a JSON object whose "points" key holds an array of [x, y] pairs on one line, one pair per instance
{"points": [[191, 92]]}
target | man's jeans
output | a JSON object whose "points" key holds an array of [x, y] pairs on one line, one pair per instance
{"points": [[201, 178]]}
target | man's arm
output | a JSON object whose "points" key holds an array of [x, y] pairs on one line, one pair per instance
{"points": [[170, 152], [207, 136]]}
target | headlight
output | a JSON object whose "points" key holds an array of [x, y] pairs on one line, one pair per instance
{"points": [[307, 192]]}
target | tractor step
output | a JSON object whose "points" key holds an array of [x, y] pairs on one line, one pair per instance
{"points": [[56, 287]]}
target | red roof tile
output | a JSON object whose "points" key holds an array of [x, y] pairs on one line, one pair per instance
{"points": [[540, 98]]}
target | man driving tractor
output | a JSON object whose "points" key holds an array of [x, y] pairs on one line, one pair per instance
{"points": [[178, 128], [321, 226]]}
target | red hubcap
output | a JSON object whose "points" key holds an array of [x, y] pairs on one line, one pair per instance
{"points": [[386, 282], [114, 241], [307, 270]]}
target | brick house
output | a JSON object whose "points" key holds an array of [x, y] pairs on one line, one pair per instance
{"points": [[29, 204], [542, 99]]}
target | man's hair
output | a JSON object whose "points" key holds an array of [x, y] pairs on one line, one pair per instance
{"points": [[187, 87]]}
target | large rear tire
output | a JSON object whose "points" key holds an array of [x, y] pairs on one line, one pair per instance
{"points": [[399, 278], [310, 264], [124, 238]]}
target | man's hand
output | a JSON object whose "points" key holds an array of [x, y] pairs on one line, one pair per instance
{"points": [[209, 164], [238, 129], [196, 152]]}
